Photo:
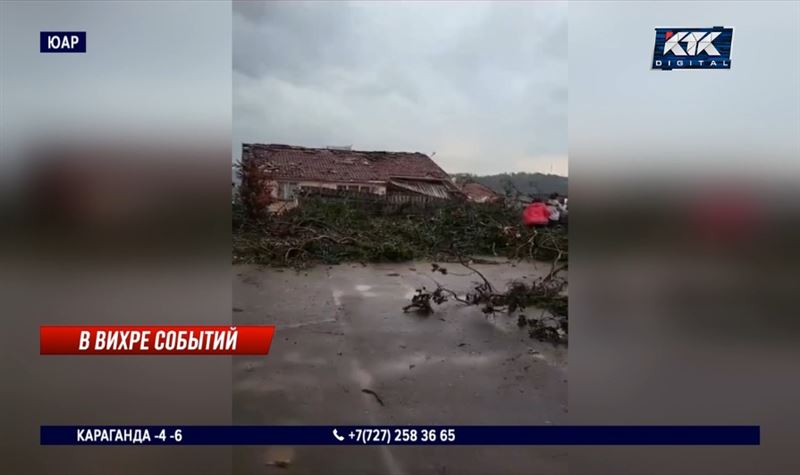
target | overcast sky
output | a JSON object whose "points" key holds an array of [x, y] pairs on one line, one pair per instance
{"points": [[484, 86]]}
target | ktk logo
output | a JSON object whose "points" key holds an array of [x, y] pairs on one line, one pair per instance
{"points": [[696, 43], [693, 48]]}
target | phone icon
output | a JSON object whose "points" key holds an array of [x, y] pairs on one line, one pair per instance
{"points": [[338, 437]]}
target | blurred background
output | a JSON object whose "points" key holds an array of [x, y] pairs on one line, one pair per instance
{"points": [[115, 179], [683, 188]]}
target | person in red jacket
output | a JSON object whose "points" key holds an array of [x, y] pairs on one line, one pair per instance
{"points": [[536, 214]]}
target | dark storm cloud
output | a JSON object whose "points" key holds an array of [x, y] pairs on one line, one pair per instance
{"points": [[291, 40], [483, 85]]}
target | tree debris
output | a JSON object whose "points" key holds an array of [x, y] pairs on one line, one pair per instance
{"points": [[545, 293], [334, 232], [374, 394]]}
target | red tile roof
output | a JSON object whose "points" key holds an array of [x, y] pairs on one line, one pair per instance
{"points": [[287, 162], [479, 193]]}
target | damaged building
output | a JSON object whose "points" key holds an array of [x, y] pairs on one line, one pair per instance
{"points": [[288, 172], [478, 193]]}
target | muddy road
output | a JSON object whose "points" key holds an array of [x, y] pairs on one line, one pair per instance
{"points": [[341, 329]]}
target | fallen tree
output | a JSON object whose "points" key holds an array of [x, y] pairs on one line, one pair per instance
{"points": [[334, 232], [545, 294], [331, 232]]}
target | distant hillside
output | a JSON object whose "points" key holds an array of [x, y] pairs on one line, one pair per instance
{"points": [[528, 183]]}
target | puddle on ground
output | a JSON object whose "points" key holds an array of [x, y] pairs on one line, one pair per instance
{"points": [[418, 360], [337, 297], [360, 375]]}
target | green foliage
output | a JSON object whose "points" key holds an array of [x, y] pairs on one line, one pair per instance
{"points": [[333, 231]]}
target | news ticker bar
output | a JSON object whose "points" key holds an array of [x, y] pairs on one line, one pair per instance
{"points": [[400, 435], [155, 340]]}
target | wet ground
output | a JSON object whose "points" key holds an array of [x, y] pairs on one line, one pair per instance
{"points": [[341, 329]]}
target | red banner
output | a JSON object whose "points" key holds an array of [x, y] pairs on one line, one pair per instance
{"points": [[155, 340]]}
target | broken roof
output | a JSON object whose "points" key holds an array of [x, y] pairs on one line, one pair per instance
{"points": [[480, 193], [287, 162]]}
